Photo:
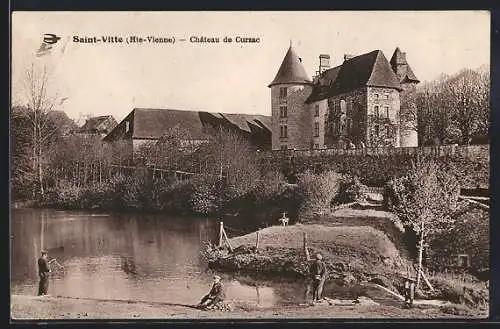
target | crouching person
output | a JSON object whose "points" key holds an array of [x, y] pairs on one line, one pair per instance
{"points": [[215, 296]]}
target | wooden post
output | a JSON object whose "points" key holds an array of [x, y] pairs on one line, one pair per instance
{"points": [[305, 247], [220, 233], [257, 242], [420, 252], [427, 281], [227, 240]]}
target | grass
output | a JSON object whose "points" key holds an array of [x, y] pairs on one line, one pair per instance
{"points": [[353, 243]]}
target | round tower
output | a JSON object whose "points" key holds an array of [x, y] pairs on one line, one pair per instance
{"points": [[408, 111], [290, 117]]}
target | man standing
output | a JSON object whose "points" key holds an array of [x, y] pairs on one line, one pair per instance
{"points": [[318, 273], [43, 273], [409, 291], [215, 296]]}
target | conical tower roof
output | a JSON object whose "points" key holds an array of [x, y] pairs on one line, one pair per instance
{"points": [[291, 70]]}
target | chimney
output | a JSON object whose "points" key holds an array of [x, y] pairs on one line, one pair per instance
{"points": [[324, 63], [348, 57]]}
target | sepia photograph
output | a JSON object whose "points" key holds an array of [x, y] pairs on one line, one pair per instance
{"points": [[250, 165]]}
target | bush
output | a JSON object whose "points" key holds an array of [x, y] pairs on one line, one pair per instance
{"points": [[269, 188], [351, 190], [315, 192]]}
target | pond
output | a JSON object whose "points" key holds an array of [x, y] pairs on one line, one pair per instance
{"points": [[132, 256]]}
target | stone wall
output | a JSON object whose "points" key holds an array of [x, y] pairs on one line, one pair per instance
{"points": [[346, 119], [297, 121], [408, 119], [383, 129], [375, 166], [318, 142]]}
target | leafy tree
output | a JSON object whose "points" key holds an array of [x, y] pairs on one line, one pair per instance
{"points": [[423, 200]]}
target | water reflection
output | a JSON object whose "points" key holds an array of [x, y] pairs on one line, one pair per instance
{"points": [[121, 256], [130, 256]]}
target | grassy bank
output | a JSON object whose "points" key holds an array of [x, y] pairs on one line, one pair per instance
{"points": [[353, 251], [358, 245]]}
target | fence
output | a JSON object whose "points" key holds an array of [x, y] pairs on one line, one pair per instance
{"points": [[442, 150]]}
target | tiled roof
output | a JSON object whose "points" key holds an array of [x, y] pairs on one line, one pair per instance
{"points": [[243, 121], [154, 123], [291, 70], [371, 69], [323, 85]]}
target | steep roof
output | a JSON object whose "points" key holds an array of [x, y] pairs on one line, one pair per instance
{"points": [[291, 70], [368, 70], [243, 121], [154, 123], [401, 66], [98, 124], [323, 84]]}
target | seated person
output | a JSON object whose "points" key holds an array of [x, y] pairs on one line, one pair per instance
{"points": [[215, 296]]}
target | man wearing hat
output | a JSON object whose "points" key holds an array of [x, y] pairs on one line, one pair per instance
{"points": [[318, 273], [409, 291], [216, 294], [43, 273]]}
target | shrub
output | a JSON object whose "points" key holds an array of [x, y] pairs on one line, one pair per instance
{"points": [[351, 190], [269, 188], [315, 192]]}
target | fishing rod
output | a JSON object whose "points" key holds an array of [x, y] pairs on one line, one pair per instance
{"points": [[57, 263]]}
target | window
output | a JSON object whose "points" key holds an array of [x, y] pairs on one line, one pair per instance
{"points": [[463, 260], [376, 96], [284, 147], [388, 131], [316, 129], [316, 110], [283, 111], [376, 130], [386, 96], [386, 111], [316, 146], [127, 126], [349, 124], [283, 92], [343, 106], [375, 111], [283, 131]]}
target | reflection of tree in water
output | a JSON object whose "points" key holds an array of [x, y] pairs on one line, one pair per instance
{"points": [[128, 265]]}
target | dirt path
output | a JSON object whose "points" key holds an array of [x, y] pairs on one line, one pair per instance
{"points": [[32, 307]]}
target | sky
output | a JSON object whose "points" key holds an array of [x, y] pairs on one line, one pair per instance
{"points": [[114, 78]]}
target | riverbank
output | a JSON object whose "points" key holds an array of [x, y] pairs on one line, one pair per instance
{"points": [[53, 308], [358, 245]]}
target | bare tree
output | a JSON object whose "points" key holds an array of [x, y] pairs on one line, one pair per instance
{"points": [[465, 95], [38, 104]]}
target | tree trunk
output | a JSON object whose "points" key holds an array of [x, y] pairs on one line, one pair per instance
{"points": [[40, 171], [420, 253]]}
